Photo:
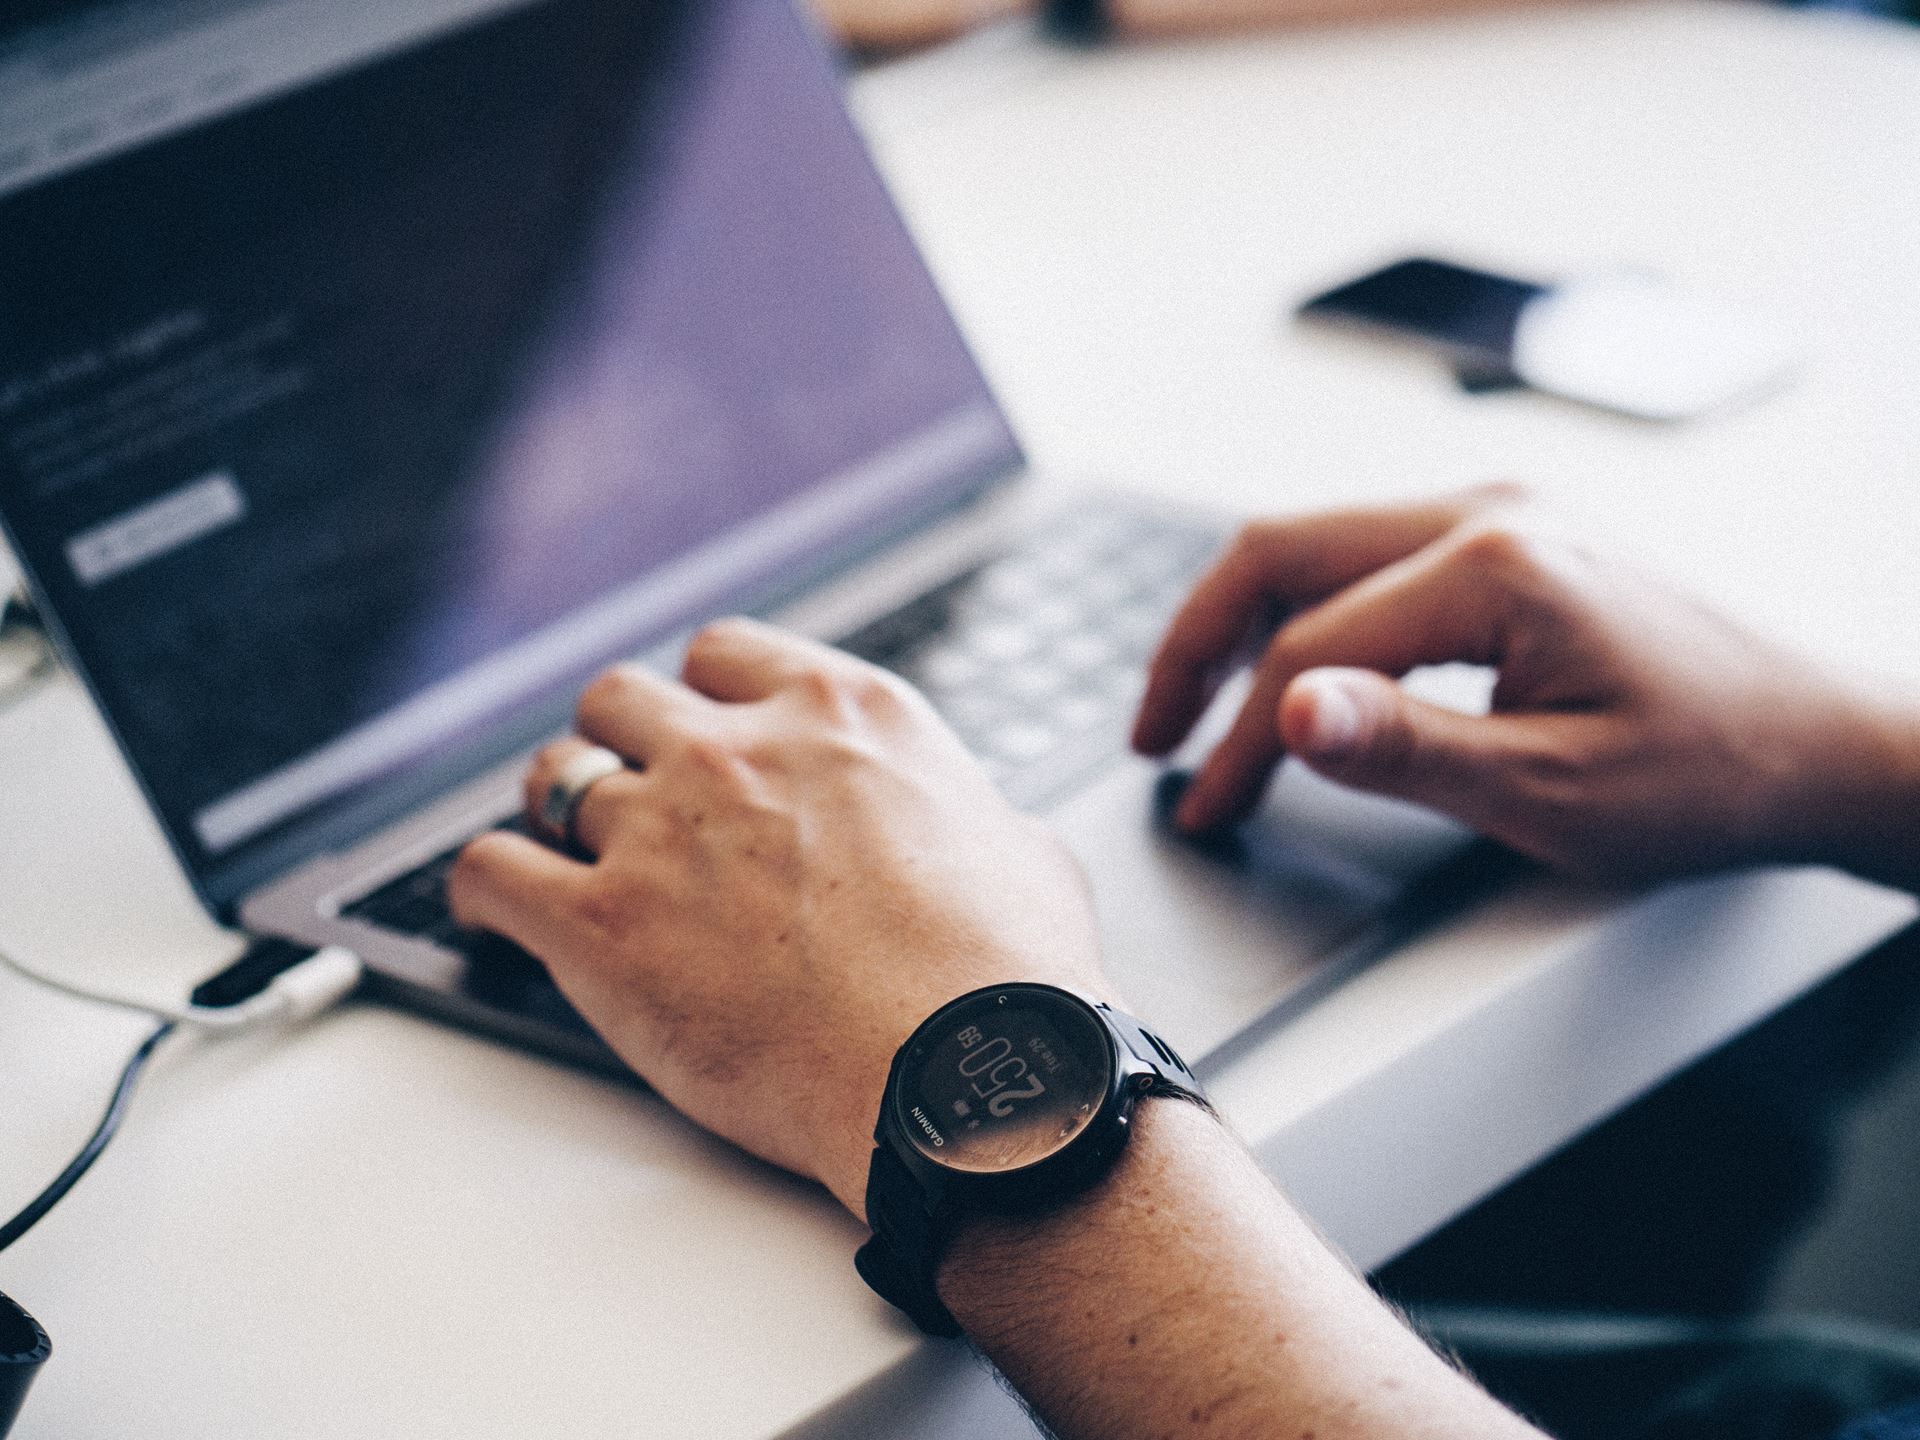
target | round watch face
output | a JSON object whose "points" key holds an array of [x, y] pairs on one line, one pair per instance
{"points": [[1004, 1080]]}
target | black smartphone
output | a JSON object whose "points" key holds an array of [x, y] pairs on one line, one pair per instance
{"points": [[1468, 315], [1623, 340]]}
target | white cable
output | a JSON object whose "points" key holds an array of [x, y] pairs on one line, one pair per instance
{"points": [[300, 992]]}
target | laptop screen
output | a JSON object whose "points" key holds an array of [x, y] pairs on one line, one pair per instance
{"points": [[373, 371]]}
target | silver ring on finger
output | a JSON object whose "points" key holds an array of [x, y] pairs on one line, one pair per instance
{"points": [[560, 806]]}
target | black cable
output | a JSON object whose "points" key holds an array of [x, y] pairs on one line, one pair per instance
{"points": [[90, 1152]]}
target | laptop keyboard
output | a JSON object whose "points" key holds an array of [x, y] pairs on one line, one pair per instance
{"points": [[1036, 659]]}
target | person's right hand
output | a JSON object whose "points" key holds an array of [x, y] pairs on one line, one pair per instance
{"points": [[1633, 733]]}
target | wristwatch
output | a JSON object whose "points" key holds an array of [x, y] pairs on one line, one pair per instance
{"points": [[1004, 1101], [1084, 21]]}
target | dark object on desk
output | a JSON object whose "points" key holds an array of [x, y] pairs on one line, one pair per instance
{"points": [[1080, 22], [24, 1348], [1469, 316], [1486, 379], [1626, 341]]}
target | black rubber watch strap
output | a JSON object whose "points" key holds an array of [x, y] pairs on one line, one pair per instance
{"points": [[1084, 22], [901, 1260], [1173, 1075]]}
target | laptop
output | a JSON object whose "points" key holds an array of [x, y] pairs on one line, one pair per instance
{"points": [[373, 372]]}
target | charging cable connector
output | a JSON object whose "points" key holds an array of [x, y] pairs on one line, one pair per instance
{"points": [[300, 992]]}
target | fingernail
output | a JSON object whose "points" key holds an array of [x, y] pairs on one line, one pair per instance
{"points": [[1335, 722]]}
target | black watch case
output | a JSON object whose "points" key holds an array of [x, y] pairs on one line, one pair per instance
{"points": [[1038, 1147]]}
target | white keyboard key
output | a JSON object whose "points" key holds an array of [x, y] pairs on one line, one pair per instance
{"points": [[1021, 742], [946, 667], [1001, 644], [1087, 650]]}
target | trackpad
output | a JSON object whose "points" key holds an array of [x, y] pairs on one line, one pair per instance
{"points": [[1206, 936]]}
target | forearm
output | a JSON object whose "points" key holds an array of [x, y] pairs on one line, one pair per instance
{"points": [[1861, 811], [1183, 1296]]}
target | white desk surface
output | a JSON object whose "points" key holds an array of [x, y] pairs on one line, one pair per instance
{"points": [[379, 1227]]}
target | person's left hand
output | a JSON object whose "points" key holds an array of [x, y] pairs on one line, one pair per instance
{"points": [[803, 864]]}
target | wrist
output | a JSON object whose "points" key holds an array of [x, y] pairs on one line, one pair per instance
{"points": [[1858, 804], [1008, 1100], [845, 1152], [995, 1271]]}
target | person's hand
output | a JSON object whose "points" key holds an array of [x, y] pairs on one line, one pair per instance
{"points": [[902, 24], [803, 864], [1633, 734]]}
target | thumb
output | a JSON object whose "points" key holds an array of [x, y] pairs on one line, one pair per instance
{"points": [[1359, 728]]}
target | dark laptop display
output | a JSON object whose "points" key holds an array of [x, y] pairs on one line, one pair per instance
{"points": [[349, 421]]}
